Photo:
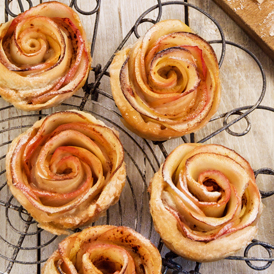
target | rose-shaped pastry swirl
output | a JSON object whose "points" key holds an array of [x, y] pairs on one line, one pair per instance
{"points": [[205, 202], [66, 170], [105, 249], [167, 84], [44, 57]]}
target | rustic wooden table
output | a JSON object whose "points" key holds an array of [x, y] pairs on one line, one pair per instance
{"points": [[23, 244]]}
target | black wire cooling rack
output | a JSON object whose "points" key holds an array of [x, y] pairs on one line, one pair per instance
{"points": [[100, 103]]}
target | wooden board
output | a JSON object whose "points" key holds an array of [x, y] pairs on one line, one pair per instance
{"points": [[256, 19]]}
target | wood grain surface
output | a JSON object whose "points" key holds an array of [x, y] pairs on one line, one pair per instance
{"points": [[255, 18], [242, 84]]}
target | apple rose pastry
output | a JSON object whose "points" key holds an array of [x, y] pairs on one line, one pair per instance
{"points": [[44, 57], [105, 249], [205, 202], [66, 170], [167, 84]]}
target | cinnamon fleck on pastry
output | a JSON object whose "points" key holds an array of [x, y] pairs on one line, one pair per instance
{"points": [[167, 84], [44, 57], [66, 170], [205, 202], [105, 249]]}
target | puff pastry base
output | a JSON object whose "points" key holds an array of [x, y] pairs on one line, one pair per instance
{"points": [[167, 84], [66, 170], [44, 57], [105, 249], [204, 202]]}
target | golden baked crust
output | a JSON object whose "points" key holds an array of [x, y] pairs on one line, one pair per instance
{"points": [[44, 57], [205, 202], [66, 170], [167, 84], [95, 249]]}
